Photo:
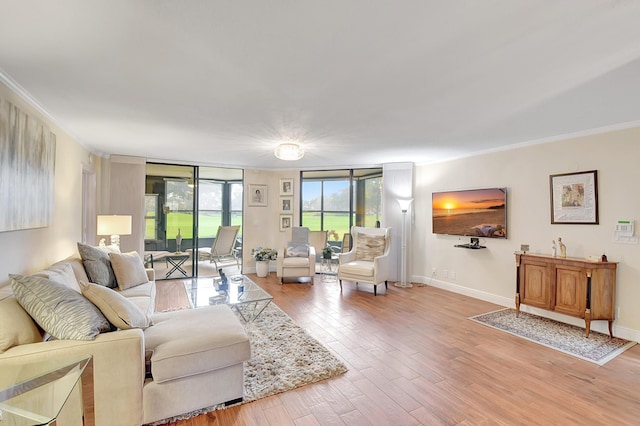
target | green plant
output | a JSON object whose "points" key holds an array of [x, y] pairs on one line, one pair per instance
{"points": [[266, 253], [327, 251]]}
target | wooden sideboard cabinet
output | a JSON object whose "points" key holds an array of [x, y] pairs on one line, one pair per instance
{"points": [[569, 286]]}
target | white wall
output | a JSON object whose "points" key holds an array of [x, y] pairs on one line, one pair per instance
{"points": [[27, 251], [489, 274], [261, 225]]}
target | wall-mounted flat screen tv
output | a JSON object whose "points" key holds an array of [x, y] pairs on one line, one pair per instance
{"points": [[473, 212]]}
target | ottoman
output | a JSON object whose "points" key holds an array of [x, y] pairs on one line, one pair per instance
{"points": [[196, 358]]}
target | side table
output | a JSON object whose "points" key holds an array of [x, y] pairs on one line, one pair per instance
{"points": [[35, 393]]}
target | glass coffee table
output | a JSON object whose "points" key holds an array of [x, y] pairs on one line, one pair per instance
{"points": [[242, 295]]}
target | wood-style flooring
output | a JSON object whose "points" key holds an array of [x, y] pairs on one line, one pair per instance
{"points": [[415, 359]]}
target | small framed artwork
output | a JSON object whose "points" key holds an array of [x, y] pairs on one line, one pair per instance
{"points": [[574, 198], [285, 221], [286, 204], [258, 195], [286, 186]]}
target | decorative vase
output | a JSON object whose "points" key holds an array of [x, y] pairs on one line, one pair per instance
{"points": [[262, 268], [178, 241]]}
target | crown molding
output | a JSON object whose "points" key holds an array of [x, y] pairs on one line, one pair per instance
{"points": [[24, 94]]}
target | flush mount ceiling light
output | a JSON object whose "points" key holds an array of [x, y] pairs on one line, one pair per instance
{"points": [[288, 151]]}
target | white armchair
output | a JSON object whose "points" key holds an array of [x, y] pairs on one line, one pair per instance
{"points": [[298, 258], [368, 261]]}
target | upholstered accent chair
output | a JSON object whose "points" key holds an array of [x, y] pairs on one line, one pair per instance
{"points": [[368, 261], [224, 246], [298, 258]]}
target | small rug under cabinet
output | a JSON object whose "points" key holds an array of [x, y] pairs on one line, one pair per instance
{"points": [[598, 348]]}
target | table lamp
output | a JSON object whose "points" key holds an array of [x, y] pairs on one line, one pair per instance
{"points": [[114, 226]]}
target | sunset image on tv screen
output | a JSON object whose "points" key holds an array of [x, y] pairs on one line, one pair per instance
{"points": [[477, 212]]}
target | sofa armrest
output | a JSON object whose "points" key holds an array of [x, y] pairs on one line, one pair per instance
{"points": [[118, 370], [151, 274]]}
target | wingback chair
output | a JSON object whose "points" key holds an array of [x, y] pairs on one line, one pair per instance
{"points": [[298, 257], [368, 261]]}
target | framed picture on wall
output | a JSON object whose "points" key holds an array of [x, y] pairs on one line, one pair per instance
{"points": [[574, 198], [286, 186], [286, 221], [257, 196], [286, 204]]}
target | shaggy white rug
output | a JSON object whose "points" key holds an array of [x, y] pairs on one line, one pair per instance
{"points": [[284, 357]]}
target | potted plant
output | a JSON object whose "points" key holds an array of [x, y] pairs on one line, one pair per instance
{"points": [[327, 252], [262, 256]]}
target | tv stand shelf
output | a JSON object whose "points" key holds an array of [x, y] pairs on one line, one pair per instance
{"points": [[470, 246]]}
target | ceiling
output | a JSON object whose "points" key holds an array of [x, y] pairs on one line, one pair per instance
{"points": [[359, 82]]}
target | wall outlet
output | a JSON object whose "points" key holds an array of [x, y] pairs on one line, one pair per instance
{"points": [[445, 273], [434, 272]]}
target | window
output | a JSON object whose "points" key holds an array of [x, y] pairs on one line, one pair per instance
{"points": [[337, 199], [150, 216]]}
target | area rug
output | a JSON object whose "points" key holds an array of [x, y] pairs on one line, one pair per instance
{"points": [[284, 357], [598, 348]]}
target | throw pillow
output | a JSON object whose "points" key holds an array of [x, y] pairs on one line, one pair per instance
{"points": [[129, 269], [61, 274], [97, 265], [369, 246], [297, 250], [16, 326], [120, 311], [59, 310]]}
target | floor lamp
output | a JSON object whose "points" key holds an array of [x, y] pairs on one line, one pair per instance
{"points": [[404, 206]]}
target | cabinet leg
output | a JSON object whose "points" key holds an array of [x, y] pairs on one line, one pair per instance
{"points": [[610, 329], [587, 322], [517, 304]]}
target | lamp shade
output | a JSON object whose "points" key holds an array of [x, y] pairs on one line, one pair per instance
{"points": [[114, 225], [404, 203]]}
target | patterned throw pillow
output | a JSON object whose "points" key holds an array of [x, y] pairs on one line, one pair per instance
{"points": [[369, 246], [97, 265], [60, 311]]}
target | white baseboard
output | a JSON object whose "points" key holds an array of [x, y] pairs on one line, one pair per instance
{"points": [[599, 326]]}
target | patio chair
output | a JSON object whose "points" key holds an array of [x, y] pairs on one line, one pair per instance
{"points": [[224, 246]]}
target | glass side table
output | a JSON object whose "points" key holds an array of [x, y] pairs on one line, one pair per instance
{"points": [[35, 393]]}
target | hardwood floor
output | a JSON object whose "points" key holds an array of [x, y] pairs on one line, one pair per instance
{"points": [[414, 358]]}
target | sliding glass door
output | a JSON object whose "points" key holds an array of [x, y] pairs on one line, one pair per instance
{"points": [[184, 206]]}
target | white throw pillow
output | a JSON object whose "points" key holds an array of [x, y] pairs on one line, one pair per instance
{"points": [[129, 269], [120, 311]]}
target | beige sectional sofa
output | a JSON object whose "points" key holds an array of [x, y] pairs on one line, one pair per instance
{"points": [[184, 361]]}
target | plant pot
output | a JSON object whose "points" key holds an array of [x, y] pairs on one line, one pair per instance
{"points": [[326, 256], [262, 268]]}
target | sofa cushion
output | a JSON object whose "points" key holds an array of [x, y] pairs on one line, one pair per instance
{"points": [[60, 311], [120, 311], [97, 265], [143, 296], [193, 341], [295, 262], [61, 273], [363, 268], [129, 269], [369, 246], [16, 326]]}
